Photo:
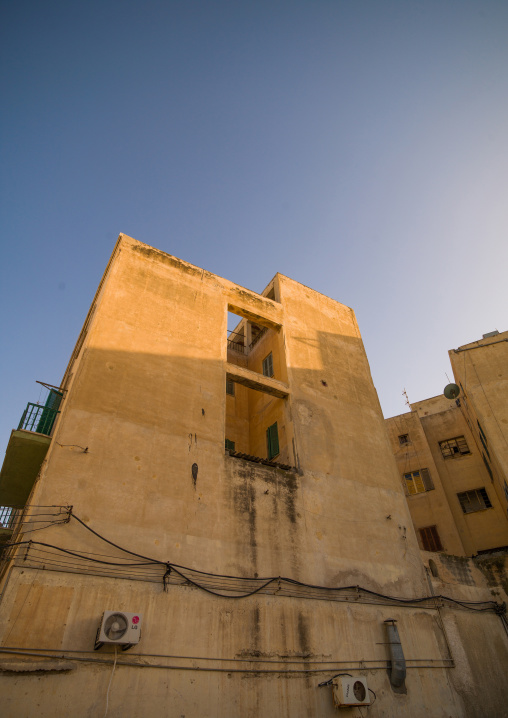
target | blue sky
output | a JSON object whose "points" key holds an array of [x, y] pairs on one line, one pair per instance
{"points": [[358, 147]]}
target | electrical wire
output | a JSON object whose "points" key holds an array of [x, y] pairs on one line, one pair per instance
{"points": [[38, 554], [110, 681], [221, 659], [75, 446], [327, 683], [201, 669]]}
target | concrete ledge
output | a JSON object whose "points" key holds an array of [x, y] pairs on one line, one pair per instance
{"points": [[23, 458], [32, 666], [268, 315], [253, 380]]}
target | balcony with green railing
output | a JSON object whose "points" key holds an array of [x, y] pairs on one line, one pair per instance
{"points": [[38, 418], [27, 448]]}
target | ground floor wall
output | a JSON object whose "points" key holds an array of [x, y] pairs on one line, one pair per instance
{"points": [[206, 656]]}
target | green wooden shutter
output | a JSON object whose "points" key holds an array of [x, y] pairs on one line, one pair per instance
{"points": [[49, 412], [272, 441]]}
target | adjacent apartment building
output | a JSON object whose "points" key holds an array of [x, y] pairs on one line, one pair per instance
{"points": [[452, 455], [202, 523]]}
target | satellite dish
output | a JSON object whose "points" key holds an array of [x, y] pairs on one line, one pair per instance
{"points": [[451, 391]]}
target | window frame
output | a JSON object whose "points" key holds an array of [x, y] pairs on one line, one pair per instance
{"points": [[406, 438], [430, 539], [480, 496], [447, 449], [421, 481], [488, 466], [268, 366]]}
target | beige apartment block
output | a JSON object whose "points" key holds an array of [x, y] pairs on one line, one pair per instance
{"points": [[481, 371], [450, 492], [233, 500]]}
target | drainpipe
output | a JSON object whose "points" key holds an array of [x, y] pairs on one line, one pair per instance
{"points": [[398, 662]]}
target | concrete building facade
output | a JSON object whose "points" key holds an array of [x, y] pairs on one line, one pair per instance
{"points": [[452, 455], [237, 496]]}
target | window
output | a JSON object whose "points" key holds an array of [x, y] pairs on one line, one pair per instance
{"points": [[475, 500], [454, 447], [417, 482], [404, 439], [483, 438], [230, 445], [230, 387], [430, 539], [268, 365], [487, 466], [272, 441]]}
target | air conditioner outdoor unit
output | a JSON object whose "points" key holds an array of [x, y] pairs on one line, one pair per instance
{"points": [[120, 628], [350, 691]]}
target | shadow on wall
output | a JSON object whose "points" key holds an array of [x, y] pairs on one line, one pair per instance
{"points": [[154, 425]]}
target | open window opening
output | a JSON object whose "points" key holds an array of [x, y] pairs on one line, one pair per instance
{"points": [[257, 426], [242, 337], [255, 346]]}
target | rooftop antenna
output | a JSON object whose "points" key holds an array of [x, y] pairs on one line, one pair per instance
{"points": [[404, 393]]}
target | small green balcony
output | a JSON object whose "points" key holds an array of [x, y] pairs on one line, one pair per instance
{"points": [[37, 418], [26, 450]]}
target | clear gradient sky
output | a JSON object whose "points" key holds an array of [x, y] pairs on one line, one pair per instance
{"points": [[359, 147]]}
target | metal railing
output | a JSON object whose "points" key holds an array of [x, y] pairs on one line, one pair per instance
{"points": [[8, 516], [258, 336], [236, 342], [38, 418]]}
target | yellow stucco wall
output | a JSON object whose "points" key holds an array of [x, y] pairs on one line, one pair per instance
{"points": [[146, 395]]}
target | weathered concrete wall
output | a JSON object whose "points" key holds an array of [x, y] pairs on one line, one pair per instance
{"points": [[146, 395], [148, 399], [481, 578], [257, 650]]}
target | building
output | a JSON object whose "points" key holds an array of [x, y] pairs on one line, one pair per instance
{"points": [[235, 496], [452, 455]]}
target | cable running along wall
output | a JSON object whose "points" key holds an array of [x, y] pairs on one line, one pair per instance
{"points": [[37, 554]]}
